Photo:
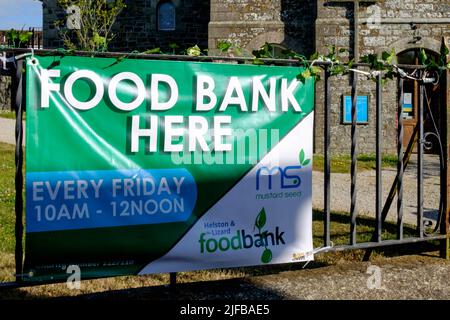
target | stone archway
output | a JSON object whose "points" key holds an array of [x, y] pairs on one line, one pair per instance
{"points": [[269, 37], [406, 44], [408, 52]]}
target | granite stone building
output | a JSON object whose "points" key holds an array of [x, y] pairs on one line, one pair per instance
{"points": [[306, 26]]}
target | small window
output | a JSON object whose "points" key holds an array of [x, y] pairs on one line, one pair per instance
{"points": [[277, 50], [166, 16]]}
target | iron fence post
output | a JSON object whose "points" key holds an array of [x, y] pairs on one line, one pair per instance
{"points": [[353, 169], [420, 151], [378, 199], [18, 100], [327, 162], [400, 168], [445, 188]]}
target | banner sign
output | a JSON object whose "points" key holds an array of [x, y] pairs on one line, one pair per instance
{"points": [[138, 167]]}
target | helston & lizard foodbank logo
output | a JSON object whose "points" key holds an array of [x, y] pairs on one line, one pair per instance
{"points": [[242, 239]]}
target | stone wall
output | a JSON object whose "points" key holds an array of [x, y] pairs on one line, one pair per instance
{"points": [[136, 27], [51, 13], [304, 25], [5, 93], [249, 24], [405, 24]]}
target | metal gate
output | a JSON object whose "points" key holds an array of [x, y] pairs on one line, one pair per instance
{"points": [[420, 140]]}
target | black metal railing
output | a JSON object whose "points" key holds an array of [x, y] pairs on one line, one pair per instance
{"points": [[381, 210], [397, 188]]}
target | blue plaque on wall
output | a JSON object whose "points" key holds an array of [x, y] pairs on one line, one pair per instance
{"points": [[362, 109]]}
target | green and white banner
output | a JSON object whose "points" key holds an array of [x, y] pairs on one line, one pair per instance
{"points": [[138, 167]]}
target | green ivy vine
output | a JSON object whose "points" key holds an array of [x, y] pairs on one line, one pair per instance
{"points": [[312, 67]]}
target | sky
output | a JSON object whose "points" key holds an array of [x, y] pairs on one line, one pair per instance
{"points": [[20, 14]]}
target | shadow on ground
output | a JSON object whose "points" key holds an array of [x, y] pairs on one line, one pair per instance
{"points": [[235, 289]]}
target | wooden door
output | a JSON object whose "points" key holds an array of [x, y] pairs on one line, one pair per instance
{"points": [[410, 115]]}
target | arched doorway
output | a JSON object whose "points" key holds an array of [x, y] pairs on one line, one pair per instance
{"points": [[433, 102]]}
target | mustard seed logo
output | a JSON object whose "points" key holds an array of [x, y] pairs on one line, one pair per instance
{"points": [[244, 240]]}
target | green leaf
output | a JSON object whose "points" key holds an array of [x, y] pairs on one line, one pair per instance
{"points": [[98, 39], [288, 54], [337, 70], [433, 63], [174, 47], [302, 156], [25, 36], [393, 56], [306, 162], [315, 70], [388, 57], [314, 56], [153, 51], [389, 75], [306, 74], [257, 61], [223, 46], [261, 219], [332, 51], [301, 78], [266, 256], [194, 51], [423, 57], [350, 63], [264, 52], [385, 55]]}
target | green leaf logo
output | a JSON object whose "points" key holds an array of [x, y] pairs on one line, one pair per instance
{"points": [[260, 222], [266, 256], [261, 219], [303, 162]]}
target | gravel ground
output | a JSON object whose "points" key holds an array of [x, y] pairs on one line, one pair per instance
{"points": [[406, 277], [7, 131], [401, 278], [340, 191]]}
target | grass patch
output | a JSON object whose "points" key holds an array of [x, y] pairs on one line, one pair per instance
{"points": [[342, 163], [7, 114], [7, 198], [340, 229], [10, 114]]}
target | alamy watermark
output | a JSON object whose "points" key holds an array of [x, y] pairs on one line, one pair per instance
{"points": [[374, 17], [374, 281], [73, 18], [248, 147], [74, 280]]}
